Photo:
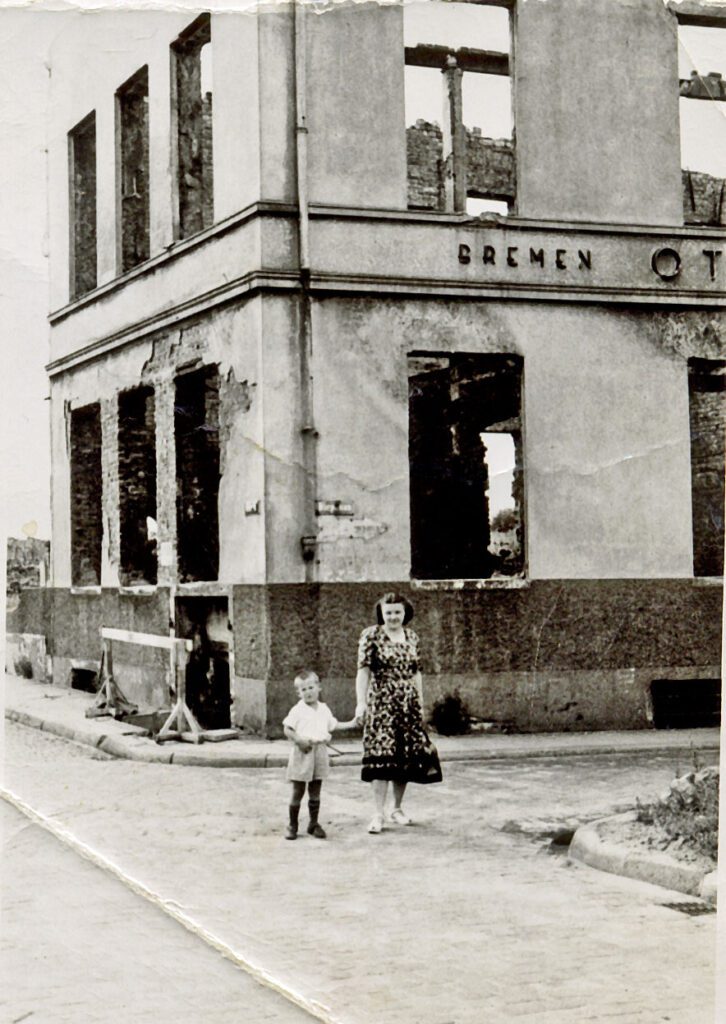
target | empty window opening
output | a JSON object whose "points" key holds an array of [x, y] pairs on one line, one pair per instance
{"points": [[465, 456], [192, 63], [196, 429], [706, 386], [686, 703], [137, 485], [82, 180], [702, 88], [205, 622], [86, 496], [459, 131], [133, 162]]}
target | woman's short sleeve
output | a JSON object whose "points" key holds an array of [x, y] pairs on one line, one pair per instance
{"points": [[365, 647]]}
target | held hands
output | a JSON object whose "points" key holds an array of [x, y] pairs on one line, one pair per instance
{"points": [[360, 714], [304, 745]]}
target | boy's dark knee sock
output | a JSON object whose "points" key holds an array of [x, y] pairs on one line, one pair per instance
{"points": [[314, 809], [294, 812]]}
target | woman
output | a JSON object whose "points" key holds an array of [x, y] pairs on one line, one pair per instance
{"points": [[396, 748]]}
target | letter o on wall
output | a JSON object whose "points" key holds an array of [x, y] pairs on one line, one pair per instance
{"points": [[666, 263]]}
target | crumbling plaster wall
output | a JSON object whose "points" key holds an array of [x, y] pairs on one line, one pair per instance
{"points": [[252, 157], [229, 339], [606, 434]]}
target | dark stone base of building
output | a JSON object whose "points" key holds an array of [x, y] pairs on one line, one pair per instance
{"points": [[554, 655]]}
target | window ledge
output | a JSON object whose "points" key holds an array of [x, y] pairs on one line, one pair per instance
{"points": [[498, 583], [138, 590], [708, 581], [85, 591]]}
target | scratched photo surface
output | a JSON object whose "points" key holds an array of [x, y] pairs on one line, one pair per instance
{"points": [[363, 424]]}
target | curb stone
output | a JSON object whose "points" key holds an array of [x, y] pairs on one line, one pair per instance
{"points": [[130, 746], [588, 847]]}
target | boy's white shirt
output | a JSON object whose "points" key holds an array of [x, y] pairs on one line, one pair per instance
{"points": [[315, 724]]}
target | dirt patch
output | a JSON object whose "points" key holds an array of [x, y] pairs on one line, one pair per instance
{"points": [[641, 837]]}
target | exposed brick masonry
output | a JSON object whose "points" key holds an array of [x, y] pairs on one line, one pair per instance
{"points": [[137, 485], [82, 155], [86, 492], [704, 199], [707, 383], [194, 132], [28, 562], [490, 166], [196, 429], [490, 174], [134, 123]]}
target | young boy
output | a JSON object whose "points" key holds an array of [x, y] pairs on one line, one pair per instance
{"points": [[309, 725]]}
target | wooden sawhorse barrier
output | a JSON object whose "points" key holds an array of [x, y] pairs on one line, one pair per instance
{"points": [[181, 723]]}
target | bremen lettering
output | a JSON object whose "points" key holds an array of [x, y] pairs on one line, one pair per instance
{"points": [[516, 256]]}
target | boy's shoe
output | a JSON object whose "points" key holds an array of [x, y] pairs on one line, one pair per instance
{"points": [[314, 829], [290, 832], [400, 817], [376, 825]]}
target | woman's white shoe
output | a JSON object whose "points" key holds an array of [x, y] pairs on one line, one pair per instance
{"points": [[376, 824], [400, 817]]}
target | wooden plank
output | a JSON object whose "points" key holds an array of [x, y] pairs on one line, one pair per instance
{"points": [[126, 636], [218, 735], [483, 62]]}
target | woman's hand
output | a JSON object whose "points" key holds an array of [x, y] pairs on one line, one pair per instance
{"points": [[360, 711]]}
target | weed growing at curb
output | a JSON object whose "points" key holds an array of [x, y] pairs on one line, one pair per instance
{"points": [[687, 814]]}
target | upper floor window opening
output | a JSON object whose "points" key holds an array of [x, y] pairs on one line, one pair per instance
{"points": [[460, 133], [132, 147], [192, 90], [82, 205], [702, 89]]}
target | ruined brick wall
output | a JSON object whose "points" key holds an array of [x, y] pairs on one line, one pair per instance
{"points": [[424, 148], [194, 132], [707, 383], [704, 199], [196, 428], [490, 166], [28, 563], [82, 153], [86, 496], [134, 123], [207, 162], [137, 485]]}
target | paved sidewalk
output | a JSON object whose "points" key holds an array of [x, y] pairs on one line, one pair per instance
{"points": [[62, 712]]}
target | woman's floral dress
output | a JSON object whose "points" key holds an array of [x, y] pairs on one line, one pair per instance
{"points": [[394, 736]]}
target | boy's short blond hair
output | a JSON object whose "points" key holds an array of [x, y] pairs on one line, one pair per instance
{"points": [[306, 676]]}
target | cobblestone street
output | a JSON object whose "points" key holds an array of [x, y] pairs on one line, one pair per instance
{"points": [[466, 917]]}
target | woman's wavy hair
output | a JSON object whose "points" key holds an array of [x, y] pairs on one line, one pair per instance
{"points": [[393, 598]]}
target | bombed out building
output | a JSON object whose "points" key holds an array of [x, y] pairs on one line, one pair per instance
{"points": [[308, 346]]}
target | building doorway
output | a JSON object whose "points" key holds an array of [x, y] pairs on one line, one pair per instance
{"points": [[205, 621]]}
